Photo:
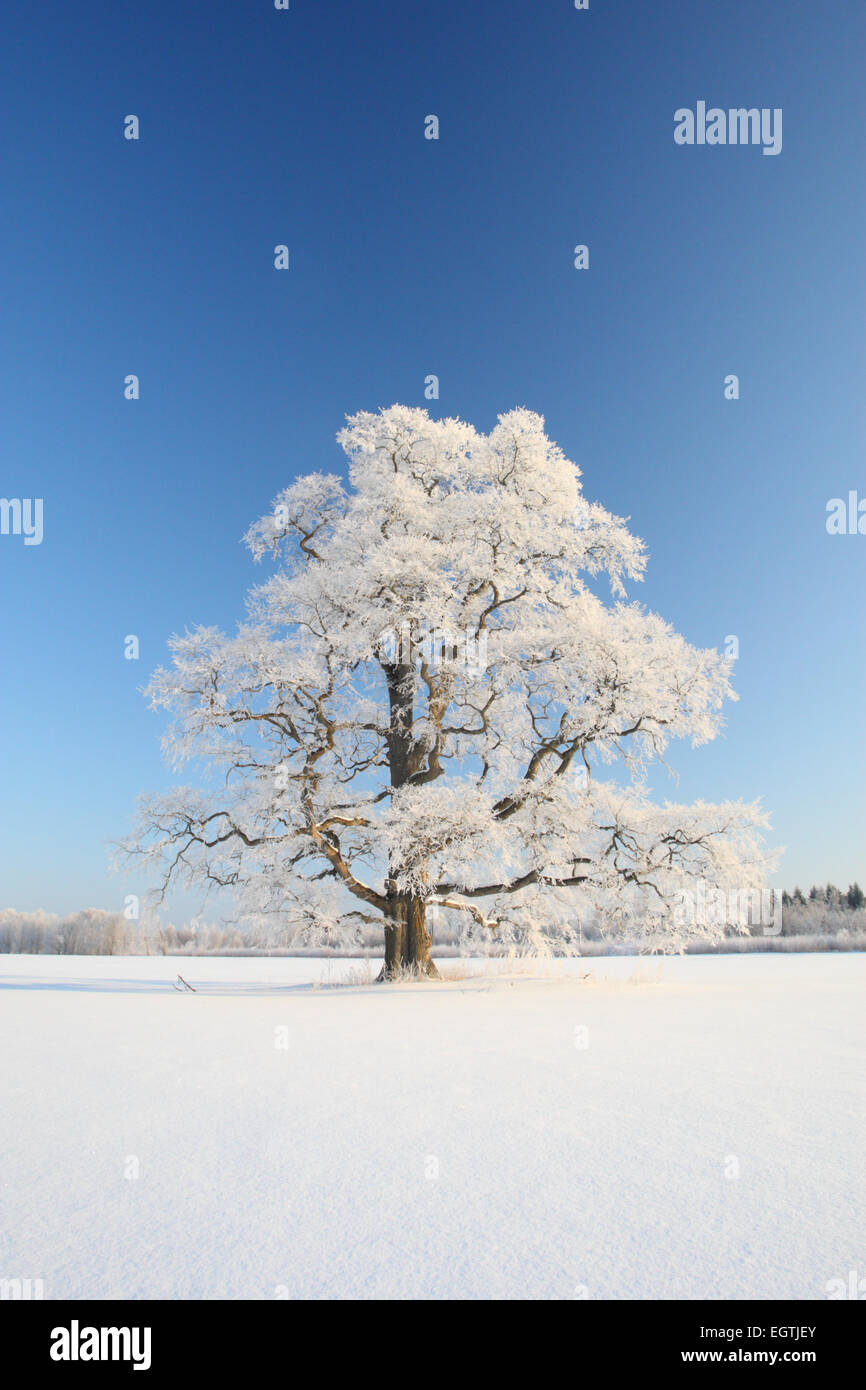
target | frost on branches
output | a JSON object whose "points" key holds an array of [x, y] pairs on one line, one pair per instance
{"points": [[422, 703]]}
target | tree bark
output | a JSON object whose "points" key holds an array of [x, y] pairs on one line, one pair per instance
{"points": [[393, 950], [416, 940], [407, 940]]}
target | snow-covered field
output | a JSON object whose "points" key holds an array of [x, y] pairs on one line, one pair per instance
{"points": [[679, 1129]]}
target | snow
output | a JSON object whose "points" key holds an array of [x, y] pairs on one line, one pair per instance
{"points": [[564, 1171]]}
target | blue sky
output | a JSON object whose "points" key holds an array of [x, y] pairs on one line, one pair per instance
{"points": [[409, 257]]}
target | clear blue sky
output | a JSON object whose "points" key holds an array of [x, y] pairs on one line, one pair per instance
{"points": [[411, 257]]}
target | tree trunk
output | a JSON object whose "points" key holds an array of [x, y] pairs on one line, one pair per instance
{"points": [[407, 941], [393, 950], [416, 940]]}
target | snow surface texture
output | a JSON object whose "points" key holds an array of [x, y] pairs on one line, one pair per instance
{"points": [[701, 1139]]}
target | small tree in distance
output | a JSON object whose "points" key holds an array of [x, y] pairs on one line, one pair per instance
{"points": [[421, 702]]}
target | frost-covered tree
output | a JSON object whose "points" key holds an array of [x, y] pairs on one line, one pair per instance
{"points": [[418, 710]]}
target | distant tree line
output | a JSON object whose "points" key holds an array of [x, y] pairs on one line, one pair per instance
{"points": [[827, 896], [825, 918], [97, 932]]}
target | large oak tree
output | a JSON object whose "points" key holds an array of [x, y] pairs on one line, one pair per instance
{"points": [[423, 700]]}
